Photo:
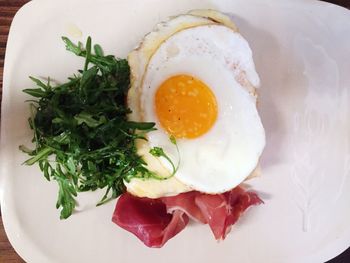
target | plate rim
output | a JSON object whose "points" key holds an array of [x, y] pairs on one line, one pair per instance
{"points": [[27, 250]]}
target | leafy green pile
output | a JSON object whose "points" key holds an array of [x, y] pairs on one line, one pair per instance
{"points": [[82, 137]]}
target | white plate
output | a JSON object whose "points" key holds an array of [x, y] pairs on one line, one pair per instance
{"points": [[301, 50]]}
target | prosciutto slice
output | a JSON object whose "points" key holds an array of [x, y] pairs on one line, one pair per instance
{"points": [[148, 219], [185, 202], [223, 210], [155, 221]]}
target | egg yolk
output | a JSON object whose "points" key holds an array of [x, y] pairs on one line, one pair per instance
{"points": [[185, 106]]}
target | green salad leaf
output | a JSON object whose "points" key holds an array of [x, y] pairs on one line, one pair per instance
{"points": [[82, 137]]}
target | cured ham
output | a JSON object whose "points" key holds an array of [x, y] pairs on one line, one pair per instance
{"points": [[223, 210], [185, 202], [155, 221], [148, 219]]}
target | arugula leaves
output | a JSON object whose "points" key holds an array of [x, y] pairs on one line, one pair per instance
{"points": [[159, 152], [82, 137]]}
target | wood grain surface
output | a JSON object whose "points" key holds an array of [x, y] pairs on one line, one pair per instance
{"points": [[8, 8]]}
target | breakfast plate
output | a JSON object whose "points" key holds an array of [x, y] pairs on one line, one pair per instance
{"points": [[300, 49]]}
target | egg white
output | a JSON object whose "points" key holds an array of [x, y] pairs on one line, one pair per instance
{"points": [[223, 157], [226, 155]]}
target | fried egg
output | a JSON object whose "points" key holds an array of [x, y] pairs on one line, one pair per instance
{"points": [[194, 76]]}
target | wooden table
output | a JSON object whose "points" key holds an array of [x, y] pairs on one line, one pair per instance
{"points": [[8, 8]]}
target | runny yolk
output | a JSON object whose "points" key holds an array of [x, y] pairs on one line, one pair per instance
{"points": [[185, 106]]}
